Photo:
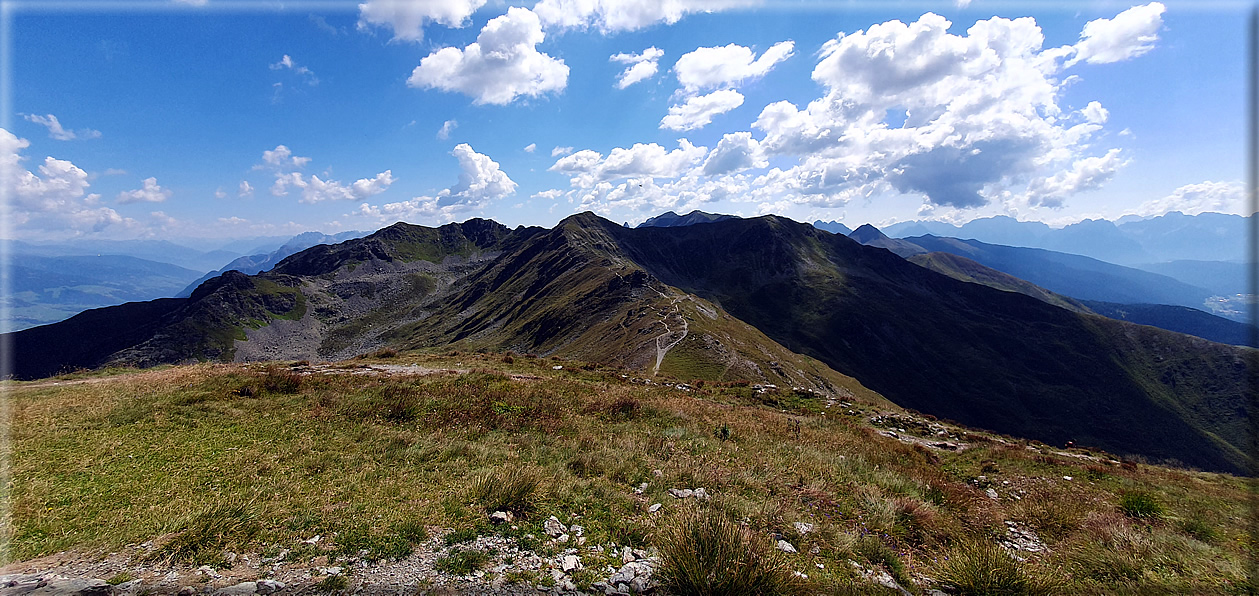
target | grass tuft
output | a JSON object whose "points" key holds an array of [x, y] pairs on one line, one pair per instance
{"points": [[204, 538], [461, 562], [1139, 504], [705, 552], [507, 489], [985, 569]]}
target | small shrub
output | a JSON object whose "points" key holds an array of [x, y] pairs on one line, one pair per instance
{"points": [[722, 432], [462, 535], [1139, 504], [983, 569], [507, 489], [461, 562], [413, 532], [705, 552], [120, 578]]}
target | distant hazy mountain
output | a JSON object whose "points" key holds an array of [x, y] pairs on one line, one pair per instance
{"points": [[1076, 276], [1129, 241], [258, 263], [160, 251], [49, 289], [670, 219], [833, 227], [871, 236], [1225, 278], [1180, 319]]}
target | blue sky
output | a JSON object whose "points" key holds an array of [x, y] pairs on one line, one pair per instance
{"points": [[212, 118]]}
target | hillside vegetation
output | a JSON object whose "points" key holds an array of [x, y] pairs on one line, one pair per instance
{"points": [[382, 472]]}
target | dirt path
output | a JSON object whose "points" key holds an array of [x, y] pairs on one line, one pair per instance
{"points": [[661, 350]]}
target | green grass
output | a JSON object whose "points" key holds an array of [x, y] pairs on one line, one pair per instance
{"points": [[461, 562], [371, 462], [705, 552]]}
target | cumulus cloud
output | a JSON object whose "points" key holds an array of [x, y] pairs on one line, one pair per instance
{"points": [[315, 190], [644, 196], [287, 63], [501, 65], [1088, 173], [481, 181], [735, 152], [1130, 34], [558, 151], [697, 112], [150, 192], [1192, 199], [55, 199], [587, 168], [283, 159], [447, 128], [246, 189], [531, 147], [710, 68], [56, 131], [624, 15], [640, 67], [407, 18], [979, 112]]}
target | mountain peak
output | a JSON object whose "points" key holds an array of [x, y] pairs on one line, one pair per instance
{"points": [[866, 234]]}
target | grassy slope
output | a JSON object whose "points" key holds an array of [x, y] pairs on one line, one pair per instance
{"points": [[964, 269], [998, 360], [114, 460]]}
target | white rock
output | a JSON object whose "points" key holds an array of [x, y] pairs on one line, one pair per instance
{"points": [[992, 494], [654, 508], [800, 575], [241, 589], [553, 527], [681, 493], [803, 527], [571, 563], [627, 555], [785, 546]]}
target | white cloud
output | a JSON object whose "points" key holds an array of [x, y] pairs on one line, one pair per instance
{"points": [[710, 68], [150, 192], [586, 168], [1130, 34], [481, 181], [645, 196], [558, 151], [315, 190], [549, 195], [501, 65], [283, 159], [246, 189], [287, 63], [640, 67], [1088, 173], [624, 15], [54, 200], [698, 112], [407, 18], [1094, 113], [1192, 199], [447, 128], [979, 111], [531, 147], [56, 131], [219, 193], [735, 152]]}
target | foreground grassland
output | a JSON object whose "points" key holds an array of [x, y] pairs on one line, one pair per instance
{"points": [[208, 459]]}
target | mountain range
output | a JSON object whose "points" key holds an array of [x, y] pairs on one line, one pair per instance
{"points": [[1134, 242], [258, 263], [763, 299]]}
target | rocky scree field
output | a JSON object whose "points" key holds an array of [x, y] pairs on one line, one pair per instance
{"points": [[501, 473]]}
